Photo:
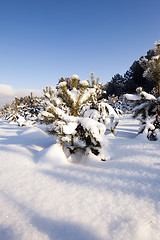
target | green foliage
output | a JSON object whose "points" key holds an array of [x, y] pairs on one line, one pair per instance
{"points": [[64, 112], [146, 111], [133, 78], [115, 86], [26, 108], [152, 67]]}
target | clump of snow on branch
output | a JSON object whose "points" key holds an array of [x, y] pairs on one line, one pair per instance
{"points": [[75, 76]]}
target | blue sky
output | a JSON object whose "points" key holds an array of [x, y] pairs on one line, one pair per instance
{"points": [[44, 40]]}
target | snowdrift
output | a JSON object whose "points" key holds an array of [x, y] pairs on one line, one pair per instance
{"points": [[44, 196]]}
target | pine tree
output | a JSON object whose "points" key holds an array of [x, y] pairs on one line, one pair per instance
{"points": [[134, 78], [66, 110], [145, 108], [152, 71], [11, 111], [24, 111], [115, 86], [152, 66]]}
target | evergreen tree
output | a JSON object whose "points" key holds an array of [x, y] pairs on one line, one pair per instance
{"points": [[112, 100], [115, 86], [152, 66], [24, 111], [145, 109], [134, 78], [68, 113], [152, 71]]}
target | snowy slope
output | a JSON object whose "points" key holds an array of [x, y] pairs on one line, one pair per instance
{"points": [[43, 196]]}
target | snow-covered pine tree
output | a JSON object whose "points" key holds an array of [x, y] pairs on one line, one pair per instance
{"points": [[6, 111], [152, 72], [31, 107], [99, 109], [145, 110], [12, 110], [152, 66], [65, 108], [112, 99], [102, 112], [24, 110]]}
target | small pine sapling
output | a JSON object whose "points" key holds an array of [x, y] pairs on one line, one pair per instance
{"points": [[145, 109], [75, 131]]}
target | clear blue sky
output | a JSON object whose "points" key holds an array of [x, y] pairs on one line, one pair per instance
{"points": [[44, 40]]}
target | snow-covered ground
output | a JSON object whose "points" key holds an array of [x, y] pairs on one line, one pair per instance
{"points": [[43, 196]]}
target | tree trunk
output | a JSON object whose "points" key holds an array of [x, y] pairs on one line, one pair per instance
{"points": [[72, 141]]}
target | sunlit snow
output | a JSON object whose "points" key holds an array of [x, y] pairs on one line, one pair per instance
{"points": [[43, 196]]}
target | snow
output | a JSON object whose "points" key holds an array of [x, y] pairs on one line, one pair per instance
{"points": [[131, 97], [102, 107], [93, 126], [70, 127], [143, 94], [44, 196], [92, 113], [88, 93], [84, 83], [22, 122], [156, 57], [157, 43], [62, 84], [147, 96], [75, 76], [74, 93]]}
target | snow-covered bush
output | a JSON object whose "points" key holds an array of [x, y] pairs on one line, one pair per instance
{"points": [[145, 109], [24, 111], [76, 116], [119, 105], [103, 113], [112, 100]]}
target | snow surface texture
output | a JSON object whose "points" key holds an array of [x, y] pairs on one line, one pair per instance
{"points": [[43, 196]]}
